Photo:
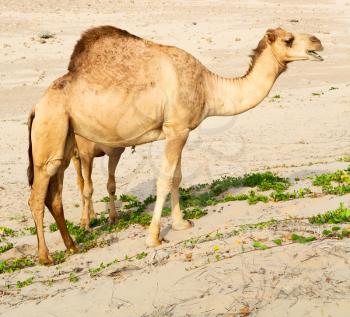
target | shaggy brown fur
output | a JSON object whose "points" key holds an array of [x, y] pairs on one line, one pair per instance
{"points": [[89, 38]]}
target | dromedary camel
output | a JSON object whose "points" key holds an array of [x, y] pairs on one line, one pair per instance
{"points": [[122, 90], [83, 156]]}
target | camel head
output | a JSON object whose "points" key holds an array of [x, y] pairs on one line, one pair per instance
{"points": [[289, 47]]}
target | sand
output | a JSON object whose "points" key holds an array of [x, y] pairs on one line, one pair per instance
{"points": [[308, 124]]}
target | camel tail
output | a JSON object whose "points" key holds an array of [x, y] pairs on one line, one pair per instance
{"points": [[30, 169]]}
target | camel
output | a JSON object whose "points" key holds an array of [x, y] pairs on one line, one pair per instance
{"points": [[82, 157], [121, 90]]}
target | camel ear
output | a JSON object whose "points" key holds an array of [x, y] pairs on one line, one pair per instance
{"points": [[270, 36]]}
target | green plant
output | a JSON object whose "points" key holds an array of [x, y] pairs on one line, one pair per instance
{"points": [[8, 266], [166, 212], [53, 227], [194, 213], [301, 239], [259, 245], [24, 283], [6, 247], [73, 278], [96, 270], [340, 215], [141, 255], [327, 232], [6, 232], [345, 158], [284, 196], [278, 241], [59, 257], [104, 199], [32, 230], [326, 181]]}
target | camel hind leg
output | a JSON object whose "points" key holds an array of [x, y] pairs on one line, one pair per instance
{"points": [[80, 179], [111, 185], [53, 199], [48, 130]]}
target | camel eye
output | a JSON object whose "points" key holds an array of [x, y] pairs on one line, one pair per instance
{"points": [[289, 41]]}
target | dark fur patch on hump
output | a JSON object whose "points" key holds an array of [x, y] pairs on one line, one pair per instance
{"points": [[89, 37]]}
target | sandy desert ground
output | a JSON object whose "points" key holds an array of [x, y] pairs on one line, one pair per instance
{"points": [[300, 134]]}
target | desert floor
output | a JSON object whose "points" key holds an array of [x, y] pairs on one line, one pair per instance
{"points": [[300, 134]]}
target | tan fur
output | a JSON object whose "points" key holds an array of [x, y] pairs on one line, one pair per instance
{"points": [[122, 90]]}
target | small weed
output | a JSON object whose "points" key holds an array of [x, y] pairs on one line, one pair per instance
{"points": [[345, 158], [285, 196], [252, 198], [9, 266], [73, 278], [301, 239], [340, 215], [259, 245], [32, 230], [59, 257], [53, 227], [326, 181], [27, 282], [6, 232], [276, 97], [105, 199], [141, 255], [327, 232], [333, 88], [278, 241], [6, 247], [49, 282], [166, 212], [260, 225], [96, 270], [194, 213]]}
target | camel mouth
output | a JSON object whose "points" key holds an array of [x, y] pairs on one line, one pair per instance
{"points": [[314, 55]]}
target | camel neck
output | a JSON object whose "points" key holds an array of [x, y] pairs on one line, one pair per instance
{"points": [[231, 96]]}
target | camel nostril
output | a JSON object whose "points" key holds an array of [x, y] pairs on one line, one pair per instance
{"points": [[314, 39]]}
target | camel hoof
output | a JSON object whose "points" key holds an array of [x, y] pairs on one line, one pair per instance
{"points": [[73, 249], [153, 242], [85, 225], [46, 260], [113, 220], [182, 225]]}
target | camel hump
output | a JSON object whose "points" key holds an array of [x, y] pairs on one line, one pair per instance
{"points": [[90, 37]]}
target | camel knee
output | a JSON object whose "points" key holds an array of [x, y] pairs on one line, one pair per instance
{"points": [[164, 186], [53, 166], [176, 182], [111, 186], [88, 190]]}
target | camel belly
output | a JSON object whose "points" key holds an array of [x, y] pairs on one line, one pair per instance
{"points": [[118, 120]]}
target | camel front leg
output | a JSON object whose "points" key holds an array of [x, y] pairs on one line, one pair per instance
{"points": [[111, 186], [88, 212], [175, 141]]}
